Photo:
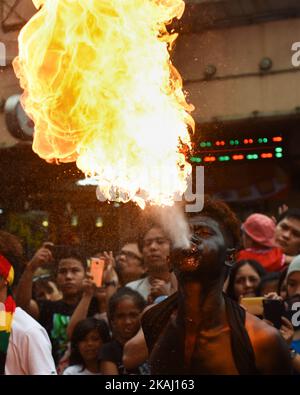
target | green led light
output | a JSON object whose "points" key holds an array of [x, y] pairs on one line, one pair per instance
{"points": [[278, 149], [279, 155], [231, 142], [195, 159], [236, 142], [252, 156], [224, 158], [204, 144], [260, 140], [265, 140]]}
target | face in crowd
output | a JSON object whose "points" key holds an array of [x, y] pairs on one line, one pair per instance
{"points": [[125, 321], [90, 345], [87, 339], [156, 250], [70, 275], [287, 235], [246, 282], [130, 263], [46, 290], [293, 284]]}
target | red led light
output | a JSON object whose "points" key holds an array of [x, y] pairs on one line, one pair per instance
{"points": [[246, 141], [277, 139], [250, 141], [209, 159], [238, 157], [266, 155], [222, 142], [217, 143]]}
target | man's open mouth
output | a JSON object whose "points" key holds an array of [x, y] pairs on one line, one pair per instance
{"points": [[189, 263]]}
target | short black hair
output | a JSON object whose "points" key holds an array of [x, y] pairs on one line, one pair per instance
{"points": [[234, 271], [124, 293], [267, 278], [221, 212], [81, 330], [290, 213], [71, 252], [151, 219], [142, 235]]}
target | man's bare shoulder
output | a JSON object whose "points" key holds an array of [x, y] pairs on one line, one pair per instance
{"points": [[260, 331], [271, 351]]}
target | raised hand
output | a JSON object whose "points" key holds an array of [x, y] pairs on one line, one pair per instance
{"points": [[286, 330], [40, 258], [88, 286], [158, 288]]}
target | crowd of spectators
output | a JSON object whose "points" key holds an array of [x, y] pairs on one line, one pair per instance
{"points": [[84, 329]]}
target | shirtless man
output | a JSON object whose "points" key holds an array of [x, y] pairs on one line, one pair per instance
{"points": [[201, 331]]}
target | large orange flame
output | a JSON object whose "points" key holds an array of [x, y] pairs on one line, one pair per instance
{"points": [[101, 89]]}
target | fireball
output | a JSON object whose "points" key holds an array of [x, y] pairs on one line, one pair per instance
{"points": [[102, 91]]}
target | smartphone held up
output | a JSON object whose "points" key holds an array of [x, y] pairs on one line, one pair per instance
{"points": [[253, 305], [273, 311], [270, 309], [96, 266]]}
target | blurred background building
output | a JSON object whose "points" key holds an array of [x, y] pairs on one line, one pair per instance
{"points": [[235, 57], [236, 61]]}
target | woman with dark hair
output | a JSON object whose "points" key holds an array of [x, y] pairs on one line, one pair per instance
{"points": [[87, 339], [244, 279]]}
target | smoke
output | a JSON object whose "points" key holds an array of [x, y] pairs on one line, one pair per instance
{"points": [[174, 222]]}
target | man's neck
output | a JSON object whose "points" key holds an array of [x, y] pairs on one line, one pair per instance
{"points": [[201, 308], [202, 304]]}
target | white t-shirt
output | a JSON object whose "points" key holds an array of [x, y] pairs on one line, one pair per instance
{"points": [[143, 286], [77, 369], [29, 348]]}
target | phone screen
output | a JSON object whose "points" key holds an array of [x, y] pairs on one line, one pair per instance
{"points": [[253, 305], [273, 311], [96, 270]]}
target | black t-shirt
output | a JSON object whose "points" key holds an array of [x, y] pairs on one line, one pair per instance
{"points": [[55, 317], [113, 352]]}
